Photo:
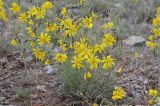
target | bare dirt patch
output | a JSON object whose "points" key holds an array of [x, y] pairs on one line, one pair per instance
{"points": [[23, 84]]}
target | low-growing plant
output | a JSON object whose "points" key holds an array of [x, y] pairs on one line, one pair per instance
{"points": [[23, 92], [100, 83]]}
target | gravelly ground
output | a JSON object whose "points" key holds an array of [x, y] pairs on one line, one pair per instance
{"points": [[17, 76]]}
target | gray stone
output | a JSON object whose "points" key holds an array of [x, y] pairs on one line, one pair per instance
{"points": [[6, 102], [56, 49], [49, 70], [75, 10], [138, 87], [2, 99], [135, 41], [3, 60], [143, 79], [41, 88]]}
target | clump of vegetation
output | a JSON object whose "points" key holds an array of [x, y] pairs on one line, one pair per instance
{"points": [[23, 92]]}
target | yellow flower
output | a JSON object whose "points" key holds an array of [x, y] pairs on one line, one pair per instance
{"points": [[83, 39], [108, 40], [151, 101], [93, 61], [97, 48], [47, 5], [77, 62], [118, 93], [64, 11], [66, 23], [82, 2], [43, 39], [30, 32], [156, 31], [87, 22], [14, 42], [51, 27], [22, 17], [59, 57], [107, 26], [108, 62], [46, 62], [31, 43], [151, 37], [71, 30], [152, 92], [15, 7], [39, 13], [70, 45], [40, 55], [156, 21], [32, 11], [94, 15], [95, 104], [62, 45], [87, 75], [3, 14], [85, 53], [79, 47], [1, 3], [120, 70], [151, 44], [30, 22]]}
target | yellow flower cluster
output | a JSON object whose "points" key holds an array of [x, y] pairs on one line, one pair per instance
{"points": [[153, 93], [71, 37], [153, 39], [107, 26], [84, 54], [3, 15], [31, 19]]}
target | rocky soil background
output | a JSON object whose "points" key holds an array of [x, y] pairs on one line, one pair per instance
{"points": [[24, 82], [28, 83]]}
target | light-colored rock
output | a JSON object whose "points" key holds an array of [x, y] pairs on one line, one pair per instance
{"points": [[136, 86], [2, 99], [3, 60], [49, 70], [56, 49], [41, 88], [134, 41]]}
